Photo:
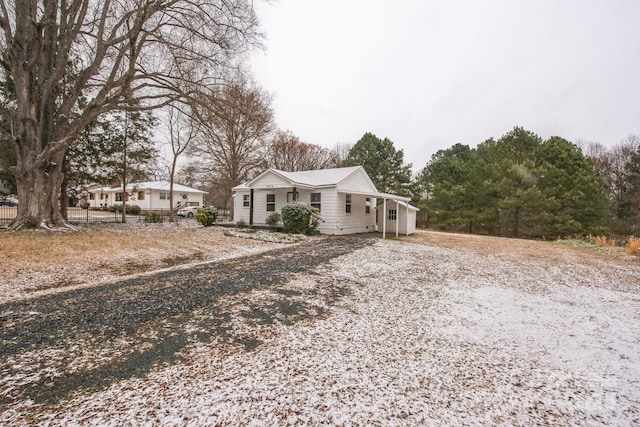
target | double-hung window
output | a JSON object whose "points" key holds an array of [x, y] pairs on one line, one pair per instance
{"points": [[316, 201], [271, 202], [392, 215], [347, 204], [367, 205], [245, 200]]}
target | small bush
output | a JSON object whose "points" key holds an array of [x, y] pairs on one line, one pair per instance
{"points": [[241, 224], [207, 215], [633, 246], [133, 210], [299, 218], [153, 218], [273, 220]]}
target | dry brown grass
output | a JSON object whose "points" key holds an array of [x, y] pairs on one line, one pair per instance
{"points": [[603, 241], [38, 260], [633, 246], [46, 248], [538, 251]]}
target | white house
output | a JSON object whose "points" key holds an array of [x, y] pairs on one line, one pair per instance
{"points": [[149, 196], [345, 197]]}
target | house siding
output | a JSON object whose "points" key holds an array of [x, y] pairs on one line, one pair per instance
{"points": [[240, 212], [270, 180], [358, 221], [357, 182]]}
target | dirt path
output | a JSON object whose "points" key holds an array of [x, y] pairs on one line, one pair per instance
{"points": [[85, 339]]}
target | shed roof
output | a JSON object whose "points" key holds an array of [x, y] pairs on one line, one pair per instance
{"points": [[404, 205]]}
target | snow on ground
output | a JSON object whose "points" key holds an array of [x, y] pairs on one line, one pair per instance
{"points": [[427, 336]]}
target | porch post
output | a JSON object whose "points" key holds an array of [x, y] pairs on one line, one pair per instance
{"points": [[251, 207], [406, 222], [397, 217], [384, 218]]}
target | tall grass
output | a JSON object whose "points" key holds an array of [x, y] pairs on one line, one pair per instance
{"points": [[633, 246]]}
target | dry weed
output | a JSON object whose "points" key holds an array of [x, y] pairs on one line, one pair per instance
{"points": [[603, 241], [633, 246]]}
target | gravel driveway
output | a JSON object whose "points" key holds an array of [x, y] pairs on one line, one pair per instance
{"points": [[85, 339]]}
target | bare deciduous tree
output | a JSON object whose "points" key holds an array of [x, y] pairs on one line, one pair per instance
{"points": [[235, 121], [181, 130], [615, 165], [287, 152], [72, 60], [341, 150]]}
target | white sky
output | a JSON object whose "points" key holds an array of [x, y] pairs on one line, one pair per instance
{"points": [[428, 74]]}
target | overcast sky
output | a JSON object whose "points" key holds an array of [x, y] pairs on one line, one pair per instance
{"points": [[428, 74]]}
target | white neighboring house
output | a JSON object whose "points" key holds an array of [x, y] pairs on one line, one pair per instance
{"points": [[150, 196], [345, 197]]}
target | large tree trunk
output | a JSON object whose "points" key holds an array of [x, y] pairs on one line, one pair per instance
{"points": [[38, 183]]}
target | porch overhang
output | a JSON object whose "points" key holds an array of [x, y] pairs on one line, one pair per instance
{"points": [[378, 195], [386, 196]]}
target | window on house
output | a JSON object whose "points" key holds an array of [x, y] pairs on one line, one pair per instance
{"points": [[347, 205], [290, 197], [118, 197], [92, 196], [367, 205], [140, 195], [271, 202], [164, 196], [245, 200], [101, 196], [315, 201], [392, 215]]}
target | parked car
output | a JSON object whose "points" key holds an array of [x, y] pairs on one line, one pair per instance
{"points": [[9, 201], [189, 211]]}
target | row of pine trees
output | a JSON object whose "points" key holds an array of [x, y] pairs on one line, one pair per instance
{"points": [[523, 186]]}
